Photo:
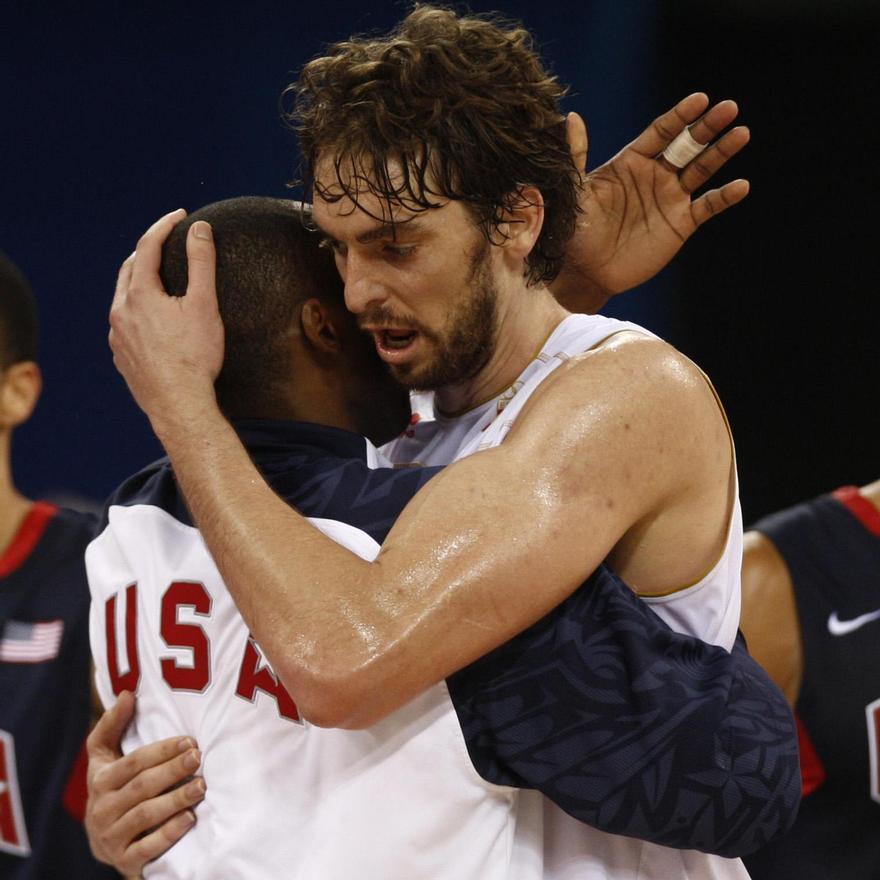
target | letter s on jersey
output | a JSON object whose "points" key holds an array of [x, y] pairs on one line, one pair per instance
{"points": [[186, 594], [254, 673]]}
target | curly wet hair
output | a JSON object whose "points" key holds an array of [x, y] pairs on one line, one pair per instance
{"points": [[462, 105]]}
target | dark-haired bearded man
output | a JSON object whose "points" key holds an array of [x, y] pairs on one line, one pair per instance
{"points": [[614, 447]]}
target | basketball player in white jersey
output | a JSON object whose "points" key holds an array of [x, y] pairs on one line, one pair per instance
{"points": [[614, 445]]}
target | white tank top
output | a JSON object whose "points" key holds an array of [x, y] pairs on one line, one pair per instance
{"points": [[549, 843]]}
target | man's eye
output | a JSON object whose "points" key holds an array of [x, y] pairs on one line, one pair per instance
{"points": [[395, 250]]}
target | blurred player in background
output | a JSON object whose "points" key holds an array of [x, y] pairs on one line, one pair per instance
{"points": [[811, 614], [45, 693]]}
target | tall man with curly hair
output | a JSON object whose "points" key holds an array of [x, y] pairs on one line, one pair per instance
{"points": [[443, 185]]}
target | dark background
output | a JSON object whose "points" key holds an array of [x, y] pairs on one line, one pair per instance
{"points": [[113, 115]]}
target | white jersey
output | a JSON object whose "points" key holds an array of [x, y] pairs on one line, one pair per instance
{"points": [[398, 801], [549, 843]]}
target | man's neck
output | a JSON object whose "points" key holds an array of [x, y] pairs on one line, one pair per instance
{"points": [[524, 324], [304, 401]]}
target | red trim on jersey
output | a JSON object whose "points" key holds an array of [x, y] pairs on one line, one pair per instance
{"points": [[859, 506], [76, 790], [27, 537], [812, 770]]}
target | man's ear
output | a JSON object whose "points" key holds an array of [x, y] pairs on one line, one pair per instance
{"points": [[576, 135], [318, 325], [20, 387], [522, 223]]}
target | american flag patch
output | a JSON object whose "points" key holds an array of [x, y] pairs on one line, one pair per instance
{"points": [[30, 642]]}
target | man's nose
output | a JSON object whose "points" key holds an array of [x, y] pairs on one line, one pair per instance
{"points": [[363, 285]]}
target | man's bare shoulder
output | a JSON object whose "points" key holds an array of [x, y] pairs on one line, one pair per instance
{"points": [[660, 361], [633, 428], [643, 383]]}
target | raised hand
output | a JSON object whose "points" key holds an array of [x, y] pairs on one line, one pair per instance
{"points": [[169, 349], [638, 208]]}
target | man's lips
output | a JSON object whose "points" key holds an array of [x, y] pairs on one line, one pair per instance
{"points": [[396, 344]]}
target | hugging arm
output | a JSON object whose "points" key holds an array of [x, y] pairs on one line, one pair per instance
{"points": [[626, 725], [138, 804], [633, 728]]}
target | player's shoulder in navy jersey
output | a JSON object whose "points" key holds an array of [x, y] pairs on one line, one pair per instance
{"points": [[322, 471]]}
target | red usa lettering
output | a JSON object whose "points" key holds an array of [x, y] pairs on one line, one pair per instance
{"points": [[254, 675], [13, 833], [197, 675]]}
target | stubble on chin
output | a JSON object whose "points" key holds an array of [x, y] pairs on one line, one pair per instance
{"points": [[463, 349]]}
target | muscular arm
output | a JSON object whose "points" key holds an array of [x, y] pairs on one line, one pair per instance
{"points": [[361, 642], [353, 641]]}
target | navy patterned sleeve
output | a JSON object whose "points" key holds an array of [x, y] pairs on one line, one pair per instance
{"points": [[633, 728]]}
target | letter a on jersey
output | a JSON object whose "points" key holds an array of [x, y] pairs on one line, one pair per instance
{"points": [[255, 675], [13, 834]]}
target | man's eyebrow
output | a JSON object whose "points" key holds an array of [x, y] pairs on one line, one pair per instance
{"points": [[384, 229], [389, 230]]}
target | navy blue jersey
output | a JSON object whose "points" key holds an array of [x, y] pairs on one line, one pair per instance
{"points": [[630, 727], [831, 546], [45, 698]]}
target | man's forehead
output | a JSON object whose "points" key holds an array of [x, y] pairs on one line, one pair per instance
{"points": [[363, 213], [353, 171], [346, 189]]}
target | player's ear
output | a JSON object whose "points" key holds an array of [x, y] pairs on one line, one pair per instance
{"points": [[318, 324], [20, 386], [521, 224], [576, 135]]}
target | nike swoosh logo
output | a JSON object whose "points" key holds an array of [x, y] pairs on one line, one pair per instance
{"points": [[838, 627]]}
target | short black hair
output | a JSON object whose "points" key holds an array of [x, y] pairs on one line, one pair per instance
{"points": [[268, 264], [19, 328]]}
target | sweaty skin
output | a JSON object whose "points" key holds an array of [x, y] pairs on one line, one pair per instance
{"points": [[352, 641], [637, 212]]}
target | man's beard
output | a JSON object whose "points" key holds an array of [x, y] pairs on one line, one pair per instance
{"points": [[468, 344]]}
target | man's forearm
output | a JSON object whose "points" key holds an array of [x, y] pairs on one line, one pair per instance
{"points": [[632, 728], [274, 563]]}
